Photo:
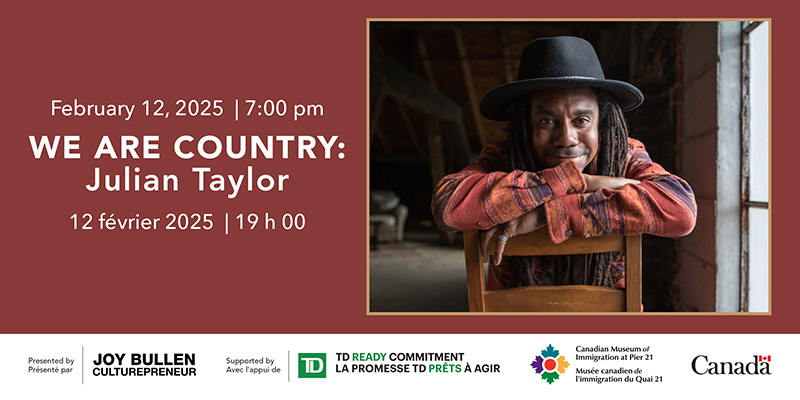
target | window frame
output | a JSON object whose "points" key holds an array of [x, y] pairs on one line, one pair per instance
{"points": [[747, 203]]}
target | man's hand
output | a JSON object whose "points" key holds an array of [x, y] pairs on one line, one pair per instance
{"points": [[597, 182], [536, 218], [523, 224]]}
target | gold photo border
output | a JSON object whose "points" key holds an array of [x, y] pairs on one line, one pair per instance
{"points": [[467, 313]]}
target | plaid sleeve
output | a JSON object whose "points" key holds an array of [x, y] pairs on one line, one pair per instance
{"points": [[482, 195], [662, 204]]}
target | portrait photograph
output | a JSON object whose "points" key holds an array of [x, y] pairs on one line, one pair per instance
{"points": [[651, 136]]}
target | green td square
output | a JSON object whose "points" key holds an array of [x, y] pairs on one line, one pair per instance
{"points": [[311, 365]]}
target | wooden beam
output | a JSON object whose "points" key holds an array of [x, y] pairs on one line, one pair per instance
{"points": [[457, 131], [426, 62], [507, 57], [377, 108], [409, 127], [437, 166], [470, 85], [435, 150], [406, 87], [411, 91], [381, 138], [461, 151]]}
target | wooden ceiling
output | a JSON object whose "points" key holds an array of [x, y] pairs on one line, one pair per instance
{"points": [[424, 72]]}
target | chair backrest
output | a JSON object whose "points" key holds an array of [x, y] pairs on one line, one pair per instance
{"points": [[569, 298]]}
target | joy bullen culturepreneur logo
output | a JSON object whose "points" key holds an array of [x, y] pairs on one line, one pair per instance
{"points": [[311, 365], [758, 365], [550, 364]]}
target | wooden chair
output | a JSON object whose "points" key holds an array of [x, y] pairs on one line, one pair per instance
{"points": [[570, 298]]}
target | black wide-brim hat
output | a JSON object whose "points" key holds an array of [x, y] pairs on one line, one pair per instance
{"points": [[557, 63]]}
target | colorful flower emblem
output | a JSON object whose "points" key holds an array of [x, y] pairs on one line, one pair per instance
{"points": [[550, 364]]}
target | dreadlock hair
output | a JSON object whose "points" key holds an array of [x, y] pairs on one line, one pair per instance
{"points": [[609, 161]]}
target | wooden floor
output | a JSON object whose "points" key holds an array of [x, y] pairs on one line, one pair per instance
{"points": [[418, 275]]}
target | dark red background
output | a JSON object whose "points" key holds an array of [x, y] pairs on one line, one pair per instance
{"points": [[57, 280]]}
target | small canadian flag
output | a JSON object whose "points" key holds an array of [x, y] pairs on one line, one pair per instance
{"points": [[764, 358]]}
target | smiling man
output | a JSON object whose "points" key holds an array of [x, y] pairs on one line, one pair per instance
{"points": [[569, 165]]}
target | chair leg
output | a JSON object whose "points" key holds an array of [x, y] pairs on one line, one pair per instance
{"points": [[475, 281]]}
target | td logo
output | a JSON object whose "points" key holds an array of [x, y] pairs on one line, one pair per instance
{"points": [[312, 365]]}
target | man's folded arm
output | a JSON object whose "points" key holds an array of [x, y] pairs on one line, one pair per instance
{"points": [[661, 204], [477, 199]]}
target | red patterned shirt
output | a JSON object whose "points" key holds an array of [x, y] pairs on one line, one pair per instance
{"points": [[482, 195]]}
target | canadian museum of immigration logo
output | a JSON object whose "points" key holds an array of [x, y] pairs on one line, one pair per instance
{"points": [[550, 364], [311, 365]]}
